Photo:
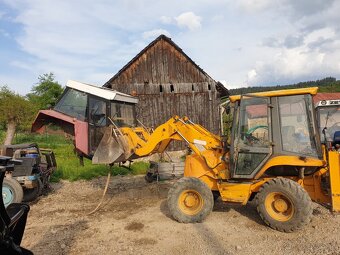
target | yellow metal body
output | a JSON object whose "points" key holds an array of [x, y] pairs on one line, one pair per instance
{"points": [[324, 185], [279, 206], [198, 138], [190, 202], [334, 177], [290, 161], [206, 164], [276, 93]]}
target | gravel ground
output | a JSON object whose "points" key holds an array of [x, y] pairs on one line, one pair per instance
{"points": [[134, 219]]}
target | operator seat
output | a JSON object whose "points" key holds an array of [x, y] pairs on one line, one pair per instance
{"points": [[336, 138]]}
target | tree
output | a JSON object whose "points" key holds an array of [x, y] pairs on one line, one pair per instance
{"points": [[15, 111], [46, 93]]}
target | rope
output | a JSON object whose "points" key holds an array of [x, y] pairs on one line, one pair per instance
{"points": [[104, 193]]}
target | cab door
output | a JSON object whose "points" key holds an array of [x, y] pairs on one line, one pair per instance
{"points": [[252, 144], [97, 121]]}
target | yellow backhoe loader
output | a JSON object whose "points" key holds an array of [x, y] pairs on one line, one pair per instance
{"points": [[273, 155]]}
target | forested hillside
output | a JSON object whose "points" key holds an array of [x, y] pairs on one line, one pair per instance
{"points": [[328, 84]]}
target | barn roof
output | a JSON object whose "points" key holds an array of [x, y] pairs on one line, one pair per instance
{"points": [[326, 96], [219, 86]]}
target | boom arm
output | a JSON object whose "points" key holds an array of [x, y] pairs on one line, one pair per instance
{"points": [[180, 129], [138, 142]]}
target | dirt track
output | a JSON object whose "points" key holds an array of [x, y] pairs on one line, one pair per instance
{"points": [[135, 220]]}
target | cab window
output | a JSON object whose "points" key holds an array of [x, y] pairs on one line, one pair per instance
{"points": [[296, 125], [73, 103], [123, 114]]}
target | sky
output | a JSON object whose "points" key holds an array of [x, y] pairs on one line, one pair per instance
{"points": [[241, 43]]}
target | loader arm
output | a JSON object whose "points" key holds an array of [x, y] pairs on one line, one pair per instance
{"points": [[139, 142], [180, 129]]}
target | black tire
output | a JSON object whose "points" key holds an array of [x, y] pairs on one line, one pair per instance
{"points": [[149, 177], [284, 205], [32, 194], [190, 200], [15, 191]]}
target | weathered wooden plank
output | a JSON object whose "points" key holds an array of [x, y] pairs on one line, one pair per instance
{"points": [[162, 64]]}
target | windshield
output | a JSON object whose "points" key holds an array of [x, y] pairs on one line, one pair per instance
{"points": [[329, 116], [73, 103], [297, 129]]}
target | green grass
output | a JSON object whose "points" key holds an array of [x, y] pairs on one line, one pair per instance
{"points": [[69, 167]]}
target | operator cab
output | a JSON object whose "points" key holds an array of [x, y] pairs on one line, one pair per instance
{"points": [[270, 124], [86, 110], [328, 116]]}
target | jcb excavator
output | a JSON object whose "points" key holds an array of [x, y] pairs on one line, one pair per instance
{"points": [[273, 155]]}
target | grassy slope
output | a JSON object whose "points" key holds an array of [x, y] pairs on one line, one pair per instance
{"points": [[68, 164]]}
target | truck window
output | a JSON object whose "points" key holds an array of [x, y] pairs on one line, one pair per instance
{"points": [[73, 103], [296, 125], [123, 115]]}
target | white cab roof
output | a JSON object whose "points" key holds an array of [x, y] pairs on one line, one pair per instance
{"points": [[102, 92]]}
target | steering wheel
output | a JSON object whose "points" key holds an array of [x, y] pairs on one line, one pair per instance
{"points": [[249, 134]]}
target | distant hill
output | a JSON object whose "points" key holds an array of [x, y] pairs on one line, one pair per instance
{"points": [[328, 84]]}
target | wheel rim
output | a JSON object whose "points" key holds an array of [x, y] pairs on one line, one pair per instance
{"points": [[7, 195], [190, 202], [279, 206]]}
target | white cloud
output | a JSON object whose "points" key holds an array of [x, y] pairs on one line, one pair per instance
{"points": [[152, 34], [217, 18], [255, 5], [252, 75], [22, 65], [255, 42], [166, 20], [231, 86], [189, 20], [292, 65]]}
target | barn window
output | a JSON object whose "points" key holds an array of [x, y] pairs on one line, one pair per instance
{"points": [[160, 88], [192, 87], [209, 87], [172, 88]]}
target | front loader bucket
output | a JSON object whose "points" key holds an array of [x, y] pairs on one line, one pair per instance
{"points": [[113, 148]]}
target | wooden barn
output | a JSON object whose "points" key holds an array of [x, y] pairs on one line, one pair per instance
{"points": [[168, 82]]}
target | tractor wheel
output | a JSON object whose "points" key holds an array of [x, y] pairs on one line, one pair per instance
{"points": [[11, 191], [284, 205], [32, 194], [190, 200]]}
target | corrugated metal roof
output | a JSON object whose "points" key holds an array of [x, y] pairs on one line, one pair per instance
{"points": [[325, 96]]}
